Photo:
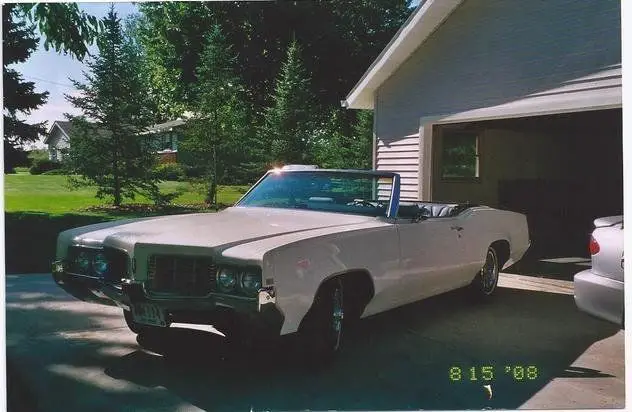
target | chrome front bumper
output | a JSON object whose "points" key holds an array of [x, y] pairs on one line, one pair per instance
{"points": [[213, 309]]}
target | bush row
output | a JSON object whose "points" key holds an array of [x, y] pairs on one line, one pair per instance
{"points": [[176, 171], [40, 166]]}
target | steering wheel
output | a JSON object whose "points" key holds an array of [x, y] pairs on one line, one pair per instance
{"points": [[361, 202]]}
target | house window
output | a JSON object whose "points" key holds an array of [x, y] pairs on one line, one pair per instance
{"points": [[166, 141], [460, 156]]}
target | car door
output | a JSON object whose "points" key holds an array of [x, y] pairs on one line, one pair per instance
{"points": [[430, 253]]}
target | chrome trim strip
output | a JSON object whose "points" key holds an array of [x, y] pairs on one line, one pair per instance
{"points": [[86, 246]]}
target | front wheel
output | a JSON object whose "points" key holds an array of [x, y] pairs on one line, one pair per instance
{"points": [[323, 327], [486, 280]]}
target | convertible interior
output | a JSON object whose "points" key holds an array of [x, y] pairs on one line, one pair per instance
{"points": [[407, 209], [411, 210]]}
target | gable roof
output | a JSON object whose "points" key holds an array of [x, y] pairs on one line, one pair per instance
{"points": [[64, 126], [167, 126], [420, 25]]}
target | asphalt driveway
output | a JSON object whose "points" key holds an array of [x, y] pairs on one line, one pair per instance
{"points": [[64, 354]]}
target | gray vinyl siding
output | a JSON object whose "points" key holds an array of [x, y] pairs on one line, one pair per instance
{"points": [[56, 142], [487, 53]]}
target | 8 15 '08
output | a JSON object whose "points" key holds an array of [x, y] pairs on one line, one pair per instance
{"points": [[487, 373]]}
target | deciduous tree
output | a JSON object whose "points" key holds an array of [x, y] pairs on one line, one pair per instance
{"points": [[340, 39], [339, 147]]}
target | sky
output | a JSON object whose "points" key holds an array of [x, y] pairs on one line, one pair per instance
{"points": [[50, 70]]}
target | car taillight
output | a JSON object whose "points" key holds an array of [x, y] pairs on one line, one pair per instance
{"points": [[593, 246]]}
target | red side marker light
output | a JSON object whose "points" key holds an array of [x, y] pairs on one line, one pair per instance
{"points": [[593, 246]]}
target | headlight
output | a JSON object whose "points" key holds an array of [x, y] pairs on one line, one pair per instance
{"points": [[100, 264], [251, 283], [83, 261], [226, 280]]}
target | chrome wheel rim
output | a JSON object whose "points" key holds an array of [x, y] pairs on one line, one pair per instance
{"points": [[489, 272], [337, 316]]}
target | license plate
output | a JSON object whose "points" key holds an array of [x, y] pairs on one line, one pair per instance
{"points": [[148, 314]]}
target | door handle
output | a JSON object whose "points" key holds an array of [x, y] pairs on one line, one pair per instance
{"points": [[457, 228]]}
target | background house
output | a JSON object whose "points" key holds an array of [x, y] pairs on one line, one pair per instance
{"points": [[166, 139], [57, 139], [165, 135], [510, 103]]}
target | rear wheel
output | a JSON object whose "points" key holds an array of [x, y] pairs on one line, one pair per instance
{"points": [[486, 280]]}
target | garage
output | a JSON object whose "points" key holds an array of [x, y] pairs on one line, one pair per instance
{"points": [[561, 170], [506, 103]]}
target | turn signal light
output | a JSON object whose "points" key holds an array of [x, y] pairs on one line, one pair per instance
{"points": [[593, 246]]}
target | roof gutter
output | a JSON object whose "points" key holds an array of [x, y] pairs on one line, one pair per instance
{"points": [[420, 25]]}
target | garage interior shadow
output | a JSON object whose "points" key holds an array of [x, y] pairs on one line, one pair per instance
{"points": [[396, 360], [559, 266]]}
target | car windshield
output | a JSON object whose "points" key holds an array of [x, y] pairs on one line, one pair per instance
{"points": [[329, 191]]}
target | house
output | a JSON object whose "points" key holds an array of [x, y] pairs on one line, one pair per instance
{"points": [[165, 135], [166, 138], [511, 103], [57, 139]]}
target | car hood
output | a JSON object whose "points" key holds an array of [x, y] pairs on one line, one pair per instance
{"points": [[233, 226]]}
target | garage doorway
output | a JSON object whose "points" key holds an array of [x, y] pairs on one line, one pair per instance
{"points": [[561, 170]]}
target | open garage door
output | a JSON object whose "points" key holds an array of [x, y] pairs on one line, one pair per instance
{"points": [[555, 155], [561, 170]]}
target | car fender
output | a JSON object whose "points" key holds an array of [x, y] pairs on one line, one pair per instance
{"points": [[297, 264]]}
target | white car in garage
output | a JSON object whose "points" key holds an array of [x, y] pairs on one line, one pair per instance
{"points": [[599, 290], [305, 250]]}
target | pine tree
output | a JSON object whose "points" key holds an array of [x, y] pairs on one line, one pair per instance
{"points": [[217, 138], [20, 98], [108, 146], [289, 123]]}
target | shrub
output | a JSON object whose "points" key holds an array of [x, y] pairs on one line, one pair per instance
{"points": [[193, 171], [21, 170], [163, 199], [36, 154], [43, 165], [55, 172], [169, 171]]}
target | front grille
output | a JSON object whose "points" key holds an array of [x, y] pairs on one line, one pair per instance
{"points": [[180, 275]]}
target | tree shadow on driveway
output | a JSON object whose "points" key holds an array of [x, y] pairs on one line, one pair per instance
{"points": [[397, 360]]}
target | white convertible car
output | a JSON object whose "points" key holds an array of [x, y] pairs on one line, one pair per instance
{"points": [[304, 250]]}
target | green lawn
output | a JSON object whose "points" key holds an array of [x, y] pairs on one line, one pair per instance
{"points": [[38, 207], [50, 194]]}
